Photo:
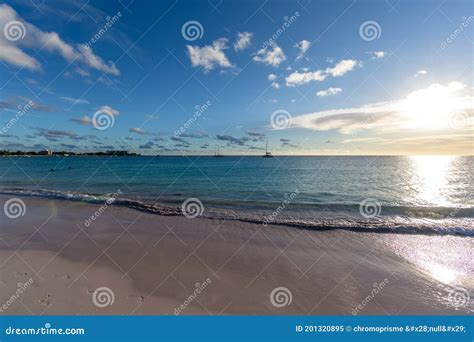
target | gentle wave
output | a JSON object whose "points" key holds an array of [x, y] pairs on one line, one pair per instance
{"points": [[384, 224]]}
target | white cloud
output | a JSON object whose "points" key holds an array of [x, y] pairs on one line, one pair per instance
{"points": [[96, 62], [431, 108], [342, 67], [376, 54], [421, 72], [109, 109], [35, 38], [243, 41], [210, 56], [272, 77], [272, 55], [329, 91], [299, 78], [303, 46], [73, 100], [84, 120], [137, 131], [363, 140], [82, 72], [15, 56], [275, 85]]}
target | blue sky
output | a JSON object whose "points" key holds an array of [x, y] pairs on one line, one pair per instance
{"points": [[181, 77]]}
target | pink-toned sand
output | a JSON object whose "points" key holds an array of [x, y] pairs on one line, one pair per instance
{"points": [[155, 264]]}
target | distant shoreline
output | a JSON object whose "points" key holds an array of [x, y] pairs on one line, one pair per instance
{"points": [[50, 153]]}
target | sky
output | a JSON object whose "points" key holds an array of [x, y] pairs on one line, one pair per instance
{"points": [[183, 77]]}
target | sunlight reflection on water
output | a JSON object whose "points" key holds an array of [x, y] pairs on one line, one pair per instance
{"points": [[430, 178]]}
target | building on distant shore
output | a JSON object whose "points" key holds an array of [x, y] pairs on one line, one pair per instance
{"points": [[67, 153]]}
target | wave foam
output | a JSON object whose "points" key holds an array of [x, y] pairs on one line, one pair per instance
{"points": [[384, 224]]}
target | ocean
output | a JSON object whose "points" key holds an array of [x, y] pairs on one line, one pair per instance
{"points": [[419, 194]]}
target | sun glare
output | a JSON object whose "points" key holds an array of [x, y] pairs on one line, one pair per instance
{"points": [[433, 107], [430, 178]]}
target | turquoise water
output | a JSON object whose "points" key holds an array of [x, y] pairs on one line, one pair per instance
{"points": [[409, 191]]}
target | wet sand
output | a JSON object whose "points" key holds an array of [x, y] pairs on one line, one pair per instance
{"points": [[155, 265]]}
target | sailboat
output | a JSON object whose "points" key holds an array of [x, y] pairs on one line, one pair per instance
{"points": [[267, 154], [218, 155]]}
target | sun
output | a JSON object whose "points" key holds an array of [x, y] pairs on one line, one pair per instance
{"points": [[433, 107]]}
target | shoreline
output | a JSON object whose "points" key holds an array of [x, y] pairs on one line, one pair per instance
{"points": [[153, 264], [376, 225], [240, 155]]}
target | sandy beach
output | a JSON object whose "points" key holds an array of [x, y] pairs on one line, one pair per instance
{"points": [[170, 265]]}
